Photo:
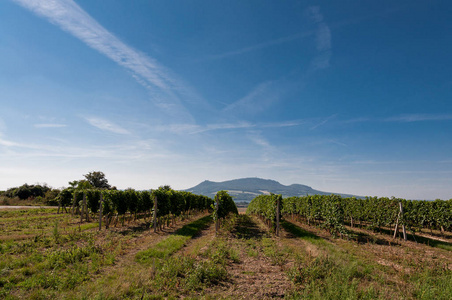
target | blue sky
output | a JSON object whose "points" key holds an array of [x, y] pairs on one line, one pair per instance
{"points": [[343, 96]]}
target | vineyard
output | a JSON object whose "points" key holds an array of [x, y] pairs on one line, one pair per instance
{"points": [[109, 244], [333, 213]]}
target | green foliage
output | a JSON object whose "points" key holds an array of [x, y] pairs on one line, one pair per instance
{"points": [[26, 191], [332, 211], [145, 201], [97, 180], [132, 199], [51, 197], [65, 197], [265, 207], [92, 200], [226, 205], [175, 202], [108, 207]]}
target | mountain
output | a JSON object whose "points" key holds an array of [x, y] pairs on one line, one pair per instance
{"points": [[246, 189]]}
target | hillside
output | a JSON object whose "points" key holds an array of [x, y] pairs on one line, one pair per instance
{"points": [[245, 189]]}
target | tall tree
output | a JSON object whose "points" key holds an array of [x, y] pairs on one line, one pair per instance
{"points": [[97, 180]]}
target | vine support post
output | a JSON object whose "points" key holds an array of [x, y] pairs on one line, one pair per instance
{"points": [[217, 221], [73, 204], [59, 205], [278, 202], [154, 217], [396, 229], [403, 225], [86, 207], [83, 207], [101, 198]]}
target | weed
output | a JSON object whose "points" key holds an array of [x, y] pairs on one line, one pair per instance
{"points": [[174, 242], [311, 269], [61, 258], [277, 255], [56, 234], [185, 273]]}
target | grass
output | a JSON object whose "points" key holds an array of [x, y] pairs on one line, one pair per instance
{"points": [[63, 259], [339, 274], [173, 242]]}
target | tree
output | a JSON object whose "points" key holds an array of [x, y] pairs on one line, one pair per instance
{"points": [[84, 185], [97, 180]]}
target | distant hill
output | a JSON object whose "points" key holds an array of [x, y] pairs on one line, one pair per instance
{"points": [[246, 189]]}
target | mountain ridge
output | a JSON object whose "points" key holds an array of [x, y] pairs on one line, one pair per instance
{"points": [[246, 189]]}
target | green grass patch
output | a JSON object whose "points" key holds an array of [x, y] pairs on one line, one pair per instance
{"points": [[26, 212], [303, 234], [278, 255], [173, 242]]}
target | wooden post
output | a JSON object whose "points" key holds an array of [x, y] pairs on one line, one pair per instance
{"points": [[278, 200], [77, 207], [86, 207], [73, 204], [100, 211], [403, 225], [217, 221], [83, 208], [155, 214], [396, 229]]}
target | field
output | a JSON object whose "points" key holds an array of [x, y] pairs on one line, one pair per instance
{"points": [[45, 255]]}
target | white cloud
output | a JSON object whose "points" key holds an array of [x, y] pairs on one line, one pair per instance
{"points": [[263, 45], [404, 118], [106, 125], [420, 117], [283, 124], [192, 129], [257, 100], [323, 122], [70, 17], [322, 39], [49, 125], [8, 143]]}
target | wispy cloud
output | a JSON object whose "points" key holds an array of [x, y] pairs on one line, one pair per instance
{"points": [[49, 125], [67, 15], [247, 125], [323, 122], [7, 143], [322, 39], [357, 120], [257, 100], [322, 34], [420, 117], [263, 45], [106, 125], [194, 129], [283, 124], [259, 140], [403, 118]]}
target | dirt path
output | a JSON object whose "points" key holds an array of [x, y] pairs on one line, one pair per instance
{"points": [[4, 207], [254, 276]]}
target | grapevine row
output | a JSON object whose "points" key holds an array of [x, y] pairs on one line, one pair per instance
{"points": [[265, 207], [117, 202], [333, 212]]}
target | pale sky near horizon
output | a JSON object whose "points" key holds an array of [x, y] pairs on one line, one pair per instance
{"points": [[343, 96]]}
